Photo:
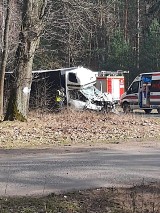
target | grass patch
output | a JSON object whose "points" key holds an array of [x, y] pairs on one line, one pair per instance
{"points": [[137, 199]]}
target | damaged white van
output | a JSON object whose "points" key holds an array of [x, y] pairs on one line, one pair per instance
{"points": [[81, 92], [143, 93]]}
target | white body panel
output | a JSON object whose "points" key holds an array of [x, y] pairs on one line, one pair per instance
{"points": [[115, 89]]}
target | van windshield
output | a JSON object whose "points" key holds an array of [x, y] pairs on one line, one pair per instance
{"points": [[133, 88], [91, 92]]}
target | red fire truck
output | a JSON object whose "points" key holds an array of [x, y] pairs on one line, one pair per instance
{"points": [[112, 82]]}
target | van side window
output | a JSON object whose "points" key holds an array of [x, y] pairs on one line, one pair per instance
{"points": [[155, 86], [134, 88], [72, 77]]}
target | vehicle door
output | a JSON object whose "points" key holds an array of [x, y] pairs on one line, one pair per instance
{"points": [[144, 92], [155, 92], [132, 95], [77, 99]]}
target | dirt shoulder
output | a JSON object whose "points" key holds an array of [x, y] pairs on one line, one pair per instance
{"points": [[127, 146]]}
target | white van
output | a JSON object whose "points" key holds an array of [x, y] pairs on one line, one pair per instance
{"points": [[143, 93], [81, 92]]}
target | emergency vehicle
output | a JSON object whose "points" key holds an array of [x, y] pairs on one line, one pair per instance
{"points": [[143, 93], [112, 82]]}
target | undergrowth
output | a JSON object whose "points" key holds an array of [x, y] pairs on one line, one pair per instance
{"points": [[137, 199]]}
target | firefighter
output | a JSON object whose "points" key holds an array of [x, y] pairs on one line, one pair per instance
{"points": [[60, 98]]}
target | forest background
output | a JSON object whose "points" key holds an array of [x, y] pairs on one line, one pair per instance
{"points": [[97, 34]]}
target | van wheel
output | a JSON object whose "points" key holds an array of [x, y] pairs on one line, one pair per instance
{"points": [[126, 108], [147, 111], [158, 110]]}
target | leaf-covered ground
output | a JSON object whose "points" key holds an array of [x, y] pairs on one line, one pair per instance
{"points": [[71, 128]]}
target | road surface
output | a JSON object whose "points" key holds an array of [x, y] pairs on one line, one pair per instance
{"points": [[39, 172]]}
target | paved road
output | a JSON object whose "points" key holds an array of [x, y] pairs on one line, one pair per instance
{"points": [[45, 171]]}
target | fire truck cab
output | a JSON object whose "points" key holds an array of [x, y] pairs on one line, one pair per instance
{"points": [[143, 93], [112, 82]]}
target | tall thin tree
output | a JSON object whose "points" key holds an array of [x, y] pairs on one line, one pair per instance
{"points": [[138, 33], [4, 52]]}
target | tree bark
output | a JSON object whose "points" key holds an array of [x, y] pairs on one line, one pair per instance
{"points": [[32, 25], [138, 33], [126, 21], [4, 55]]}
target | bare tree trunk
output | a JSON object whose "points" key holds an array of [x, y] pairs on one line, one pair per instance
{"points": [[138, 33], [126, 21], [32, 16], [5, 37]]}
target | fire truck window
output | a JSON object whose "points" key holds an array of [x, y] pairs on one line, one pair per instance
{"points": [[155, 86], [134, 88], [72, 77]]}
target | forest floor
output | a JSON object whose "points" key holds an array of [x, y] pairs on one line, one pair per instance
{"points": [[79, 128]]}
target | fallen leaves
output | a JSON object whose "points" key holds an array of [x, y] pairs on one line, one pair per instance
{"points": [[71, 127]]}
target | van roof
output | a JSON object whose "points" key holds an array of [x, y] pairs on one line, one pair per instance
{"points": [[150, 73], [44, 71]]}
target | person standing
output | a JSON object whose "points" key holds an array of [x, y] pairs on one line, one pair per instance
{"points": [[60, 96]]}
